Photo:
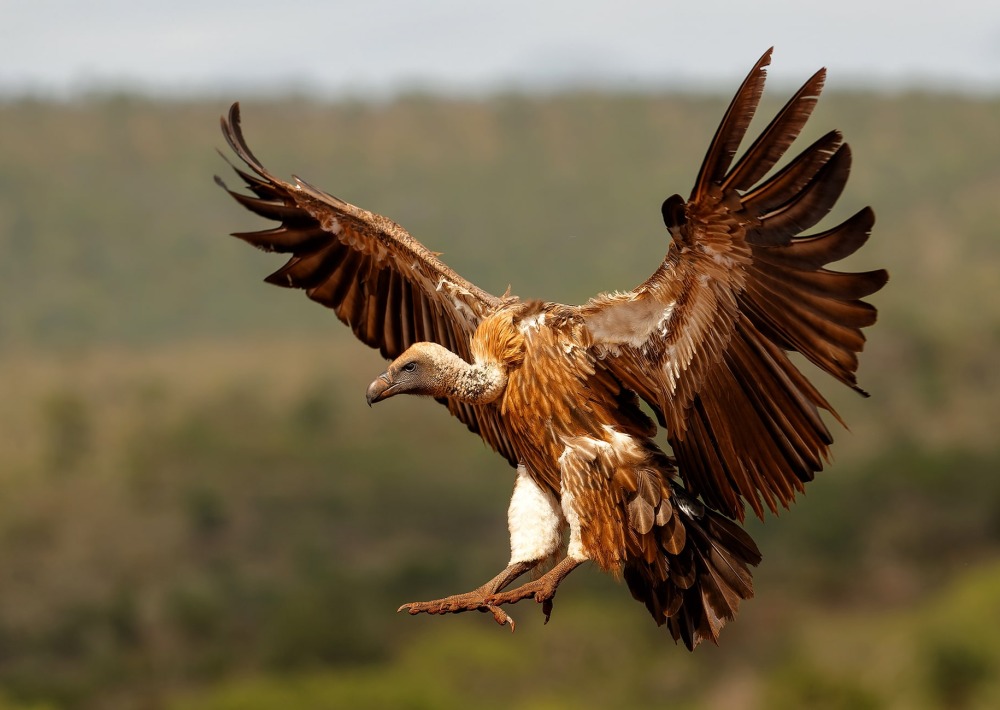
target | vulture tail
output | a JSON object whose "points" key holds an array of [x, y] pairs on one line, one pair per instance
{"points": [[693, 568]]}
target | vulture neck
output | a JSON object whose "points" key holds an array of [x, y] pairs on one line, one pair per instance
{"points": [[481, 382]]}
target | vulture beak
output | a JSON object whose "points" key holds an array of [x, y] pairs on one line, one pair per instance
{"points": [[380, 389]]}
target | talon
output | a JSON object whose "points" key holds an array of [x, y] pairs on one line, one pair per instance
{"points": [[499, 615], [547, 609]]}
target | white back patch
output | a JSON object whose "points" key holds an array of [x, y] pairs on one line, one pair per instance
{"points": [[625, 320]]}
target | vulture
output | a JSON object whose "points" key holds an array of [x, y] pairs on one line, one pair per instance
{"points": [[557, 390]]}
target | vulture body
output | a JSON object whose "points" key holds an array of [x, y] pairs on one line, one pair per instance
{"points": [[556, 389]]}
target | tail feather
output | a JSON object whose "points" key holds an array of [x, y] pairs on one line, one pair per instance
{"points": [[706, 578]]}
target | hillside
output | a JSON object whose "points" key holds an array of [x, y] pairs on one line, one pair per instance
{"points": [[197, 509]]}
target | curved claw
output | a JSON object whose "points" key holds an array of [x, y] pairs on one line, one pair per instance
{"points": [[547, 609], [499, 615]]}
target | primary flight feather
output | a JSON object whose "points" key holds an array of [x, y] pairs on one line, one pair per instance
{"points": [[556, 389]]}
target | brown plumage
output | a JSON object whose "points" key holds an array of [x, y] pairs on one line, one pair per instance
{"points": [[556, 389]]}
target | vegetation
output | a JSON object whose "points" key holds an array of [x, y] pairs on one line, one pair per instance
{"points": [[198, 513]]}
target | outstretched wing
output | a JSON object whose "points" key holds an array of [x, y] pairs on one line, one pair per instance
{"points": [[704, 340], [379, 280]]}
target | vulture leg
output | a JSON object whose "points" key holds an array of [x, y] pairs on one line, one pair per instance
{"points": [[536, 523], [476, 600]]}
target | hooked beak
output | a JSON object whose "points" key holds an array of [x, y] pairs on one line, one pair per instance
{"points": [[380, 389]]}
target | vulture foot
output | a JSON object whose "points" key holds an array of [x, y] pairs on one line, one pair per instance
{"points": [[476, 600], [542, 589], [457, 603]]}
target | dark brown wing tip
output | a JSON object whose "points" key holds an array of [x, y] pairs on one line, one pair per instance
{"points": [[232, 124], [866, 217], [232, 130], [876, 279], [733, 126], [772, 143], [279, 278], [760, 68]]}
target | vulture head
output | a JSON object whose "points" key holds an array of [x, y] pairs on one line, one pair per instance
{"points": [[432, 370]]}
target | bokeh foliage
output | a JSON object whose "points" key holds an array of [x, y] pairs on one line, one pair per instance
{"points": [[198, 512]]}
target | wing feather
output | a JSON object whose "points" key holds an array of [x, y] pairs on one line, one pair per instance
{"points": [[705, 339], [779, 135], [733, 127], [809, 205], [381, 282], [392, 332], [812, 252], [787, 182]]}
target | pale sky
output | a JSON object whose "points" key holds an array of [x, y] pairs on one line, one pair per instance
{"points": [[377, 47]]}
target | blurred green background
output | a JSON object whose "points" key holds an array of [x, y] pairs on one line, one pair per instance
{"points": [[197, 511]]}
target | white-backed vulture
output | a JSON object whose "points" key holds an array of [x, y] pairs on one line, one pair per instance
{"points": [[556, 388]]}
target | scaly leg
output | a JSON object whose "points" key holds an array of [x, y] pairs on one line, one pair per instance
{"points": [[542, 589], [476, 600], [535, 521]]}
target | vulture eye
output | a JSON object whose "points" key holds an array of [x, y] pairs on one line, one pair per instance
{"points": [[409, 367]]}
